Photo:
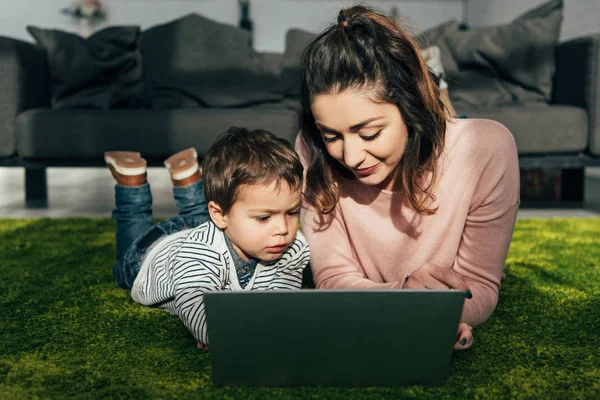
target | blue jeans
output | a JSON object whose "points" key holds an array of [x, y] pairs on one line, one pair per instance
{"points": [[135, 232]]}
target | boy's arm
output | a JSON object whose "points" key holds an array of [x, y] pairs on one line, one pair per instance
{"points": [[291, 266], [192, 279]]}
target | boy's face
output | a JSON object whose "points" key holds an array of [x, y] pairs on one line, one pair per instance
{"points": [[263, 222]]}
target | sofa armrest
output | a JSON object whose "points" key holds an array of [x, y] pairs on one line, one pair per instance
{"points": [[577, 81], [24, 84]]}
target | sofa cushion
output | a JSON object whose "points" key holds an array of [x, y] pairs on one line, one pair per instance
{"points": [[194, 61], [542, 128], [296, 41], [437, 36], [481, 89], [86, 134], [24, 83], [521, 51], [273, 61], [103, 71]]}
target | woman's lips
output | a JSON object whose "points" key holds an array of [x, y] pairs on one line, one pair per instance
{"points": [[366, 171]]}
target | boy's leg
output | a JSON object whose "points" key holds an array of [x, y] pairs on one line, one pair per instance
{"points": [[133, 215], [188, 188], [133, 208], [191, 202]]}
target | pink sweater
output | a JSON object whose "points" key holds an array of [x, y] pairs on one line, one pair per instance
{"points": [[374, 240]]}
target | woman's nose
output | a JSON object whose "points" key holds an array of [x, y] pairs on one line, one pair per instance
{"points": [[354, 152]]}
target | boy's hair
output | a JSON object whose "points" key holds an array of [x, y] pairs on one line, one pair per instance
{"points": [[240, 157], [368, 51]]}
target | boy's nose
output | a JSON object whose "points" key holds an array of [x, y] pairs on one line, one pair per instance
{"points": [[281, 227]]}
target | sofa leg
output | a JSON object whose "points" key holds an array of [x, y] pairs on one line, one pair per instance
{"points": [[572, 185], [36, 189]]}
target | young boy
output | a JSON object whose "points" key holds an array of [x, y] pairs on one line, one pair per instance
{"points": [[236, 229]]}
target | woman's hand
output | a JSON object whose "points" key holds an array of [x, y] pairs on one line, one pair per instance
{"points": [[464, 337], [202, 346], [431, 276]]}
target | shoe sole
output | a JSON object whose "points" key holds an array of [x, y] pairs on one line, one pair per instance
{"points": [[125, 163], [183, 164], [127, 180]]}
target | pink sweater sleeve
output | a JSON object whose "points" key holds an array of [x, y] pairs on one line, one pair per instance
{"points": [[480, 261], [336, 266], [489, 226]]}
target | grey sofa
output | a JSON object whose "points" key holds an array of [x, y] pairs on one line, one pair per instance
{"points": [[564, 133]]}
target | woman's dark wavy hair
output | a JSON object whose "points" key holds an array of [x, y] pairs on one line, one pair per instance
{"points": [[366, 50]]}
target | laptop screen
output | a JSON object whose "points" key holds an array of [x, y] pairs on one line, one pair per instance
{"points": [[332, 337]]}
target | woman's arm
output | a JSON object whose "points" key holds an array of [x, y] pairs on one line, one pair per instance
{"points": [[480, 261], [490, 221], [331, 256], [488, 155]]}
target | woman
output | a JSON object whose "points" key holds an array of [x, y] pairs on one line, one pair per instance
{"points": [[398, 195]]}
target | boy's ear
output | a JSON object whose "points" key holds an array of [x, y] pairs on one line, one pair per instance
{"points": [[216, 214]]}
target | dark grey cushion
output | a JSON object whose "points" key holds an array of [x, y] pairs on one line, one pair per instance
{"points": [[521, 52], [296, 40], [194, 61], [480, 89], [577, 81], [24, 83], [87, 134], [437, 36], [542, 128], [273, 61], [103, 71]]}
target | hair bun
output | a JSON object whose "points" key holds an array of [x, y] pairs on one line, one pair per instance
{"points": [[342, 20]]}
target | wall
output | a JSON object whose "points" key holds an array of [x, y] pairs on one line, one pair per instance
{"points": [[15, 15], [581, 17], [272, 18]]}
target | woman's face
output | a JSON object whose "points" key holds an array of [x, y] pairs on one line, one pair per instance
{"points": [[366, 137]]}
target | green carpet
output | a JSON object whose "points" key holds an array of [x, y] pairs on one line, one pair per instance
{"points": [[67, 330]]}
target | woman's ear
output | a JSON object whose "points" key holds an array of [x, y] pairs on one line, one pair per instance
{"points": [[216, 215]]}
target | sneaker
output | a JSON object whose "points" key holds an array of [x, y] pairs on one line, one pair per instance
{"points": [[127, 167], [183, 167]]}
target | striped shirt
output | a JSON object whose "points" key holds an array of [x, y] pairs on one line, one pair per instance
{"points": [[244, 269], [184, 266]]}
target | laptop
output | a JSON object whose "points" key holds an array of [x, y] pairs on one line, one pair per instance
{"points": [[332, 337]]}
